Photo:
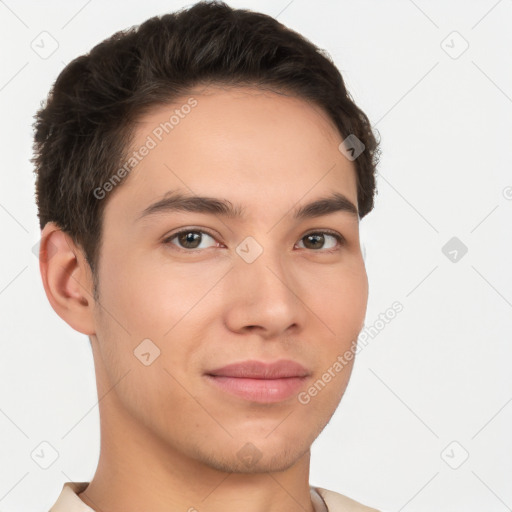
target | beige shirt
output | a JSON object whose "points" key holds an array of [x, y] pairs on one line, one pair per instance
{"points": [[323, 500]]}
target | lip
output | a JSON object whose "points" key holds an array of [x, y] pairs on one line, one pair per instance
{"points": [[258, 381]]}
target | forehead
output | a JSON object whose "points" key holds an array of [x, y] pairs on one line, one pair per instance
{"points": [[241, 143]]}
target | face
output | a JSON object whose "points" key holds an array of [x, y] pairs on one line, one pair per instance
{"points": [[184, 292]]}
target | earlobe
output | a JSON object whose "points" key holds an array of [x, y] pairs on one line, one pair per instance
{"points": [[67, 279]]}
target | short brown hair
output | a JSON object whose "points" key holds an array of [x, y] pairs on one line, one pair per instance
{"points": [[84, 129]]}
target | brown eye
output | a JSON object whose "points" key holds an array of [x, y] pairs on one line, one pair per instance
{"points": [[189, 239], [318, 240]]}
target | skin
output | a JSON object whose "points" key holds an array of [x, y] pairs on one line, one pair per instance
{"points": [[169, 439]]}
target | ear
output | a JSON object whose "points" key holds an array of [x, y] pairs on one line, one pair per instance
{"points": [[67, 279]]}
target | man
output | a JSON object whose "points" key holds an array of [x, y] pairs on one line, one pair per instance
{"points": [[200, 181]]}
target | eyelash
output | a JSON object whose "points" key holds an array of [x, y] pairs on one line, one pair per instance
{"points": [[339, 238]]}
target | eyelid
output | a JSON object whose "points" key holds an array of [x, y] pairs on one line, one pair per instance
{"points": [[326, 231]]}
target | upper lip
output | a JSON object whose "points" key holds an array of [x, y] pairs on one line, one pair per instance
{"points": [[280, 369]]}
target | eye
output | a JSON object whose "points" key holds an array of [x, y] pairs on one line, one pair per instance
{"points": [[189, 239], [316, 240]]}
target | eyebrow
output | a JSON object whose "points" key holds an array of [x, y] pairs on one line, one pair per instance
{"points": [[176, 201]]}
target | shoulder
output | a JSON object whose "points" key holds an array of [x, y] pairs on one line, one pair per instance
{"points": [[339, 503]]}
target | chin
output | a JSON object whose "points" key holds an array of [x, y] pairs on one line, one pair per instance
{"points": [[249, 459], [274, 464]]}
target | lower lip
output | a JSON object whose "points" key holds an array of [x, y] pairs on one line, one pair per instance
{"points": [[259, 390]]}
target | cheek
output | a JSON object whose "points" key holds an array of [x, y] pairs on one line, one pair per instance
{"points": [[342, 299], [150, 295], [166, 303], [341, 304]]}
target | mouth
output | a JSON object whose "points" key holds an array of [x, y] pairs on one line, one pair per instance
{"points": [[258, 381]]}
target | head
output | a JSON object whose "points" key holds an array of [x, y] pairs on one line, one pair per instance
{"points": [[229, 105]]}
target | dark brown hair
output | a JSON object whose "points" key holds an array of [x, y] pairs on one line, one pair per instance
{"points": [[84, 129]]}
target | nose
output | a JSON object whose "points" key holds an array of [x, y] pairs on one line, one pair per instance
{"points": [[264, 297]]}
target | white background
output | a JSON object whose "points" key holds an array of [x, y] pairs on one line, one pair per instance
{"points": [[439, 372]]}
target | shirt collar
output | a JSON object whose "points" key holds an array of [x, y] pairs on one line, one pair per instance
{"points": [[69, 501]]}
